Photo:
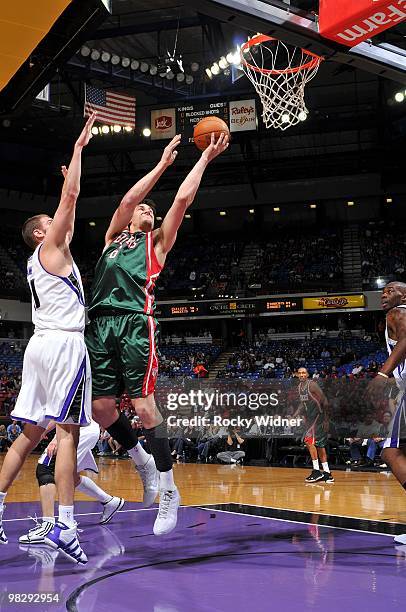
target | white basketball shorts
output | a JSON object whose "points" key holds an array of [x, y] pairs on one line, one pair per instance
{"points": [[56, 380], [397, 427], [87, 441]]}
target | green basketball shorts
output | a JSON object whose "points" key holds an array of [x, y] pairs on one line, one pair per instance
{"points": [[123, 354]]}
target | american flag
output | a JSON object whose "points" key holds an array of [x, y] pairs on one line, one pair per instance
{"points": [[112, 108]]}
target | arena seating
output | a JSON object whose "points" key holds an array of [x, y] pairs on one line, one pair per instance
{"points": [[383, 253]]}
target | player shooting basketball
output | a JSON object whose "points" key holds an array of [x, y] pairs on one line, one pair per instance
{"points": [[123, 331], [394, 453]]}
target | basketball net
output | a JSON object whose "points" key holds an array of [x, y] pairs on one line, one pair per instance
{"points": [[279, 74]]}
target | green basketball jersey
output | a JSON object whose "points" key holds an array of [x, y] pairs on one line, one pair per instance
{"points": [[312, 408], [125, 276]]}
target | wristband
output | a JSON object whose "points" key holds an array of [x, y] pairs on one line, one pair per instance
{"points": [[382, 374]]}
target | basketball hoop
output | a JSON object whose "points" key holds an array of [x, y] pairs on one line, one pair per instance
{"points": [[279, 75]]}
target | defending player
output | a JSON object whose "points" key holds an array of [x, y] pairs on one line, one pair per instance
{"points": [[122, 335], [45, 474], [314, 409], [56, 382], [394, 453]]}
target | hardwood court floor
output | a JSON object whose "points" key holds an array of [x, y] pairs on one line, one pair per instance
{"points": [[365, 495]]}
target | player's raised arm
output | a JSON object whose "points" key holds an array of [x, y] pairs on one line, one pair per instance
{"points": [[60, 231], [140, 190], [166, 235]]}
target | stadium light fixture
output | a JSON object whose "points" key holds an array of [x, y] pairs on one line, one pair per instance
{"points": [[125, 62], [115, 59], [85, 51], [276, 209], [105, 129], [313, 206], [350, 203], [95, 130], [128, 128], [95, 55], [389, 200], [189, 79], [252, 211], [105, 56], [188, 216], [92, 223], [117, 129], [146, 132], [222, 213], [144, 67], [159, 218], [134, 64], [400, 96]]}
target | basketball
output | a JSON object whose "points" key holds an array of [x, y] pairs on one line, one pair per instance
{"points": [[205, 128]]}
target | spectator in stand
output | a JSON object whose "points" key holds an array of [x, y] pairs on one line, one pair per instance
{"points": [[13, 431], [232, 453], [368, 429], [376, 443], [3, 438]]}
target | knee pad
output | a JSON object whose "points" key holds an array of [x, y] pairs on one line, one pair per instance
{"points": [[45, 474]]}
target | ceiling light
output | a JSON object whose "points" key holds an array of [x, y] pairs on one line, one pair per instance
{"points": [[153, 70], [389, 200], [95, 55], [117, 128], [92, 223], [400, 96], [144, 67], [222, 213], [180, 77], [159, 218], [125, 62], [105, 56], [135, 64], [105, 129], [189, 79], [170, 75], [313, 205], [85, 51], [146, 132], [277, 209], [350, 203], [95, 130], [252, 211], [115, 60], [188, 216], [128, 128]]}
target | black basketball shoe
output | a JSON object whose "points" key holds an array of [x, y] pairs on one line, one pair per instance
{"points": [[328, 477], [315, 476]]}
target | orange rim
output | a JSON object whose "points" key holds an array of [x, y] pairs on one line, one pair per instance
{"points": [[261, 38]]}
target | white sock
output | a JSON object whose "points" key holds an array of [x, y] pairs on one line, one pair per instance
{"points": [[48, 519], [316, 464], [139, 455], [166, 482], [90, 488], [66, 516], [325, 467], [2, 498]]}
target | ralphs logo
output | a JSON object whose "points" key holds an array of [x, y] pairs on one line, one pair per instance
{"points": [[334, 302], [359, 21], [163, 123]]}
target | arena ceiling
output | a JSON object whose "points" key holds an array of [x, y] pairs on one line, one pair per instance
{"points": [[354, 125]]}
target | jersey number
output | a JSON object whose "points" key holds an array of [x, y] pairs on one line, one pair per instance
{"points": [[34, 295]]}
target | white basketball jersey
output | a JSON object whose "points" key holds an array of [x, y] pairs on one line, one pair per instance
{"points": [[400, 372], [57, 301]]}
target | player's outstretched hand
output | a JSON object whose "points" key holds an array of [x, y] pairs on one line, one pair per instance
{"points": [[215, 148], [86, 134], [52, 448], [170, 153]]}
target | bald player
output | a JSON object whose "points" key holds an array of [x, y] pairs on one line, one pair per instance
{"points": [[394, 453], [314, 409]]}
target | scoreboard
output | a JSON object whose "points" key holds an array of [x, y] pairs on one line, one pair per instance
{"points": [[189, 115], [229, 308]]}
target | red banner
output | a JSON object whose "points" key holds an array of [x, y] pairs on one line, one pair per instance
{"points": [[350, 22]]}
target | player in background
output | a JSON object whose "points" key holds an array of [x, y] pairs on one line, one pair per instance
{"points": [[56, 380], [45, 474], [314, 409], [394, 452], [122, 334]]}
